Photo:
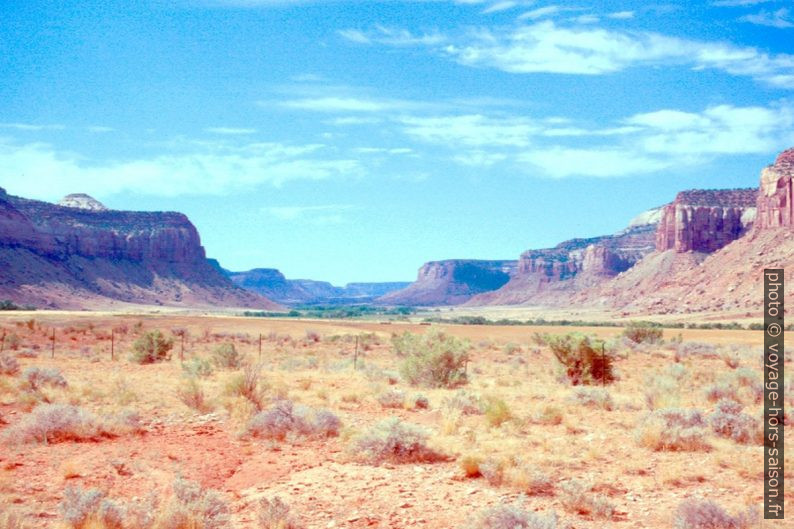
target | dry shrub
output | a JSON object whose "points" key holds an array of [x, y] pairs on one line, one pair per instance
{"points": [[433, 359], [705, 514], [152, 347], [465, 402], [393, 398], [225, 356], [8, 365], [513, 517], [248, 384], [193, 507], [275, 514], [38, 377], [673, 429], [576, 497], [643, 332], [729, 421], [592, 398], [286, 419], [549, 416], [584, 359], [394, 441], [53, 423], [192, 395], [497, 412]]}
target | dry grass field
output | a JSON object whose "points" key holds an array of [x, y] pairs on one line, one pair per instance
{"points": [[212, 435]]}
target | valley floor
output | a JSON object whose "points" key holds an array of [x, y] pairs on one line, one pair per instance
{"points": [[536, 441]]}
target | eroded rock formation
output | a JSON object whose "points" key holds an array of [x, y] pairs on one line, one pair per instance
{"points": [[776, 197]]}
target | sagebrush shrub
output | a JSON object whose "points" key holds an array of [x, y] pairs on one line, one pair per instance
{"points": [[673, 429], [275, 514], [52, 423], [38, 377], [578, 498], [249, 385], [152, 347], [393, 398], [195, 507], [593, 397], [197, 367], [394, 441], [285, 419], [226, 356], [642, 332], [497, 412], [8, 365], [465, 402], [433, 359], [706, 514], [192, 395], [513, 517], [729, 421], [584, 359]]}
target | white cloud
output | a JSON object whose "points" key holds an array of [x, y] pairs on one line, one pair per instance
{"points": [[470, 130], [392, 37], [780, 19], [230, 131], [621, 15], [30, 126], [39, 170], [549, 48], [561, 162]]}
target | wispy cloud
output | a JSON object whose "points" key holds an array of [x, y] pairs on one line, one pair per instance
{"points": [[780, 19], [230, 131], [42, 171], [31, 126], [549, 48], [392, 37]]}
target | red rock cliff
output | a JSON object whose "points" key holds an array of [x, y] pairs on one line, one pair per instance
{"points": [[705, 220], [776, 197]]}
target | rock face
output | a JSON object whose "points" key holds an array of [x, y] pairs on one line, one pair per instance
{"points": [[80, 254], [550, 276], [82, 201], [776, 198], [452, 282], [700, 267], [271, 283], [706, 220]]}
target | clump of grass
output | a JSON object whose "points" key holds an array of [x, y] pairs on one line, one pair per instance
{"points": [[8, 365], [464, 402], [152, 347], [275, 514], [701, 349], [729, 421], [249, 385], [225, 356], [548, 415], [673, 429], [433, 359], [192, 395], [592, 397], [577, 497], [286, 419], [584, 359], [197, 367], [393, 398], [396, 442], [497, 412], [194, 507], [643, 332], [706, 514], [54, 423], [512, 517], [84, 509]]}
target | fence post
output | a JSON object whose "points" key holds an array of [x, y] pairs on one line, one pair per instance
{"points": [[53, 343], [182, 349], [355, 356]]}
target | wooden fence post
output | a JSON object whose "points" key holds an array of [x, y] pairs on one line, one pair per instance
{"points": [[355, 356]]}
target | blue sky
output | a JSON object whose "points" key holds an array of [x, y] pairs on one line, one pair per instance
{"points": [[354, 140]]}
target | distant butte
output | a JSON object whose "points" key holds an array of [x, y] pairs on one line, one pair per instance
{"points": [[82, 201]]}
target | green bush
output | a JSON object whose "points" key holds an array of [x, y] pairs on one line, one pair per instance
{"points": [[152, 347], [226, 356], [642, 332], [584, 359], [432, 359]]}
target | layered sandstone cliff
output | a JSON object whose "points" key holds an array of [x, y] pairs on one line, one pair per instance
{"points": [[551, 276], [706, 220], [711, 261], [453, 281], [82, 254]]}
